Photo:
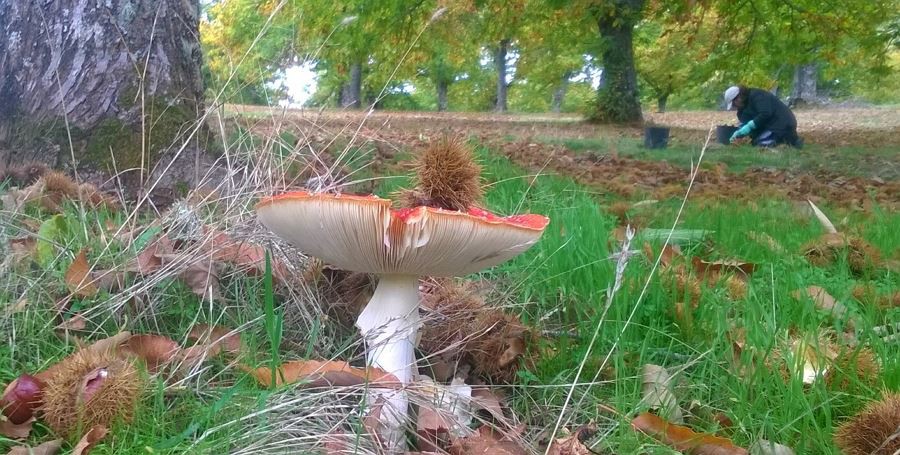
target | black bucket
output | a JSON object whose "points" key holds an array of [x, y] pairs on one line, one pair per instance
{"points": [[656, 137], [724, 132]]}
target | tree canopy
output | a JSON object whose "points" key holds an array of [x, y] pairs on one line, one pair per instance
{"points": [[465, 54]]}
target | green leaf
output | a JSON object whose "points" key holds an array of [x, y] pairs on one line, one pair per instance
{"points": [[51, 233]]}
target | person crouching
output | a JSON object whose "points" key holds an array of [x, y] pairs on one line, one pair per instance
{"points": [[763, 117]]}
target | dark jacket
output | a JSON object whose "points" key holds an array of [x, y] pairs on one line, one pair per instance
{"points": [[769, 114]]}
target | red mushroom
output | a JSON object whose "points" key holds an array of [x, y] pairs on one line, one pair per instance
{"points": [[364, 234]]}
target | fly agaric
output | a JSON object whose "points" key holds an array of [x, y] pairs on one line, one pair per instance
{"points": [[364, 234]]}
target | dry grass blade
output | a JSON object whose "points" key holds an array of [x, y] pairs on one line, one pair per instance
{"points": [[823, 219]]}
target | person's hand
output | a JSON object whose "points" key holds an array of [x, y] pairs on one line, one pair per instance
{"points": [[743, 131]]}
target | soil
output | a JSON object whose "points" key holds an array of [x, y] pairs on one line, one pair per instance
{"points": [[389, 132]]}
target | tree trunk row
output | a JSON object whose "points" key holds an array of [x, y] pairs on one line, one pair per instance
{"points": [[500, 63]]}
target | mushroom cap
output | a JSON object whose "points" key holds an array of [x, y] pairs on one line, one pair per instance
{"points": [[364, 234]]}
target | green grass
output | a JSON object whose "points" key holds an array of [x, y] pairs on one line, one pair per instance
{"points": [[861, 161], [559, 286]]}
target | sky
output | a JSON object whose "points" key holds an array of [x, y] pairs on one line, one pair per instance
{"points": [[300, 83]]}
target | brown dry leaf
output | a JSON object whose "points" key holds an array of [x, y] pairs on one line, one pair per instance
{"points": [[104, 345], [216, 339], [203, 279], [14, 431], [155, 350], [75, 323], [574, 443], [48, 448], [319, 373], [823, 300], [486, 442], [90, 439], [669, 254], [247, 256], [150, 259], [515, 348], [656, 390], [78, 277], [18, 306], [683, 438], [484, 398], [22, 248]]}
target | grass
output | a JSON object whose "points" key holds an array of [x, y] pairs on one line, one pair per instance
{"points": [[861, 161], [559, 287]]}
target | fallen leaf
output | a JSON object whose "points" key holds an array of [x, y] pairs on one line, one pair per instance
{"points": [[74, 323], [763, 447], [246, 256], [515, 346], [48, 448], [574, 443], [484, 398], [78, 277], [22, 248], [683, 438], [18, 306], [486, 442], [823, 300], [216, 339], [656, 390], [90, 439], [318, 373], [203, 279], [15, 431], [155, 350], [670, 253], [50, 235], [150, 258]]}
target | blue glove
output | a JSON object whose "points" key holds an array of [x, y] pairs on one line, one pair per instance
{"points": [[743, 131]]}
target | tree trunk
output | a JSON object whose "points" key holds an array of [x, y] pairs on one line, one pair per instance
{"points": [[500, 63], [443, 87], [560, 93], [661, 102], [804, 90], [121, 78], [617, 97], [351, 95]]}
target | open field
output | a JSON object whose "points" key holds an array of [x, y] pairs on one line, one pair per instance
{"points": [[752, 353]]}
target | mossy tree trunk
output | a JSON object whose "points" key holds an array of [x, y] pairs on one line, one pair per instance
{"points": [[120, 77], [617, 97]]}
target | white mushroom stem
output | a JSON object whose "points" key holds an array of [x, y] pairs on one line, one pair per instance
{"points": [[389, 324]]}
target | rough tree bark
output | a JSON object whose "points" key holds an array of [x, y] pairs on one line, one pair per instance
{"points": [[500, 63], [443, 87], [617, 97], [121, 76], [351, 94], [559, 94], [804, 89]]}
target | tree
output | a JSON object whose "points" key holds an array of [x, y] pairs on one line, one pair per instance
{"points": [[121, 79], [617, 96]]}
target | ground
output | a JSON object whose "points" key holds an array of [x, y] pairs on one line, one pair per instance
{"points": [[730, 318]]}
